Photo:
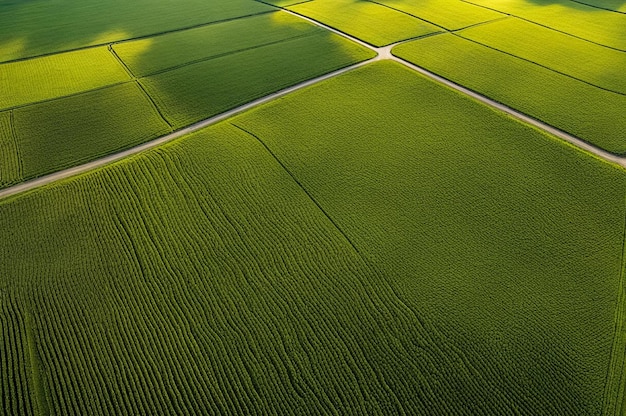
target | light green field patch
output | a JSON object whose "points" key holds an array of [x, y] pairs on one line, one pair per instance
{"points": [[572, 56], [597, 25], [60, 133], [204, 89], [370, 22], [585, 111], [450, 14], [10, 170], [59, 75], [32, 28], [147, 56], [508, 241]]}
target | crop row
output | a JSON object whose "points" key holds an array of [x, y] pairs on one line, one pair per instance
{"points": [[588, 112]]}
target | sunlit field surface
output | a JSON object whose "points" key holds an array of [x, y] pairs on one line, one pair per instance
{"points": [[362, 240]]}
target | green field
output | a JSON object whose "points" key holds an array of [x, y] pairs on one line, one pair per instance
{"points": [[588, 62], [59, 134], [37, 27], [370, 22], [371, 242], [10, 169], [74, 107], [294, 273], [451, 15], [58, 75], [588, 112], [155, 54], [600, 26], [198, 91]]}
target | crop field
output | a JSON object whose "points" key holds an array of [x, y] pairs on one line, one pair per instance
{"points": [[263, 266], [156, 54], [313, 207], [615, 5], [36, 27], [370, 22], [451, 15], [60, 133], [59, 75], [577, 58], [234, 79], [592, 114], [603, 27], [10, 169]]}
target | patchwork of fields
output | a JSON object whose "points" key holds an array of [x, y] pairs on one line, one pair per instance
{"points": [[138, 90], [373, 242]]}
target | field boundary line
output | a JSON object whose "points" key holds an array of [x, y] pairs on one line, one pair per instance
{"points": [[76, 170], [222, 55], [428, 328], [505, 16], [545, 26], [154, 104], [597, 7], [16, 144], [165, 32], [104, 87], [293, 177], [577, 142], [512, 55]]}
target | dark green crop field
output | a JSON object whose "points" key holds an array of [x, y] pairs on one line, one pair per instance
{"points": [[313, 207]]}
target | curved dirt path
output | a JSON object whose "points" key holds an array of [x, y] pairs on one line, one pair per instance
{"points": [[382, 53]]}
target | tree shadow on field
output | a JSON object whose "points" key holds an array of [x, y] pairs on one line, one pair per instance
{"points": [[36, 27]]}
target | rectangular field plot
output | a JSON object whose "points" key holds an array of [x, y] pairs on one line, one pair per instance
{"points": [[201, 267], [10, 169], [600, 26], [151, 55], [39, 27], [575, 57], [55, 76], [60, 133], [204, 89], [506, 241], [370, 22], [452, 15], [585, 111]]}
